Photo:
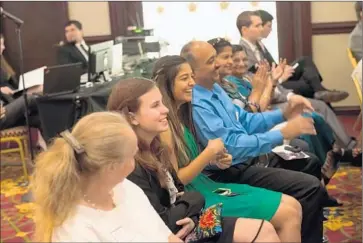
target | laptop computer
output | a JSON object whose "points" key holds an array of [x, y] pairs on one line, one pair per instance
{"points": [[62, 78]]}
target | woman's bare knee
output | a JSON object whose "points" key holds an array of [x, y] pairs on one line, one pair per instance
{"points": [[293, 203], [288, 212], [247, 230]]}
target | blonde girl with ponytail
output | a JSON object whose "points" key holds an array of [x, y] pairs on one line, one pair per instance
{"points": [[80, 188]]}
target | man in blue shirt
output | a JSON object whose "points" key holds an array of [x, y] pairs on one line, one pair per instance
{"points": [[247, 136]]}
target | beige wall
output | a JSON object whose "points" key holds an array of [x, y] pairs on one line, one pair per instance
{"points": [[94, 17], [329, 51], [322, 12]]}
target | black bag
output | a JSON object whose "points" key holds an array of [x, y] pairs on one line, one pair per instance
{"points": [[190, 204]]}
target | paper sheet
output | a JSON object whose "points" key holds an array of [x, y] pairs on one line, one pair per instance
{"points": [[32, 78], [288, 155]]}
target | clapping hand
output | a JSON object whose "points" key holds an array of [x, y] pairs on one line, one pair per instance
{"points": [[260, 78], [278, 71]]}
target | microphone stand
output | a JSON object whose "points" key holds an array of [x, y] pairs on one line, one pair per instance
{"points": [[25, 94], [28, 196]]}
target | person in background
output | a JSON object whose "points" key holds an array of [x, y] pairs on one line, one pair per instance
{"points": [[281, 95], [343, 146], [320, 144], [75, 49], [156, 173], [247, 138], [6, 88], [264, 81], [81, 192], [304, 80], [13, 107], [356, 36]]}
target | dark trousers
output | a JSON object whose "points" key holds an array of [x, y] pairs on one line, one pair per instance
{"points": [[15, 113], [297, 178], [306, 79]]}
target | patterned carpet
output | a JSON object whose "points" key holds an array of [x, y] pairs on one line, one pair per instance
{"points": [[345, 223]]}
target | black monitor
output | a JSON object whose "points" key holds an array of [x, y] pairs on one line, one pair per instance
{"points": [[137, 46], [100, 60]]}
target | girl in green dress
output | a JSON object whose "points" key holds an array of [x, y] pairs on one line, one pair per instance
{"points": [[174, 78]]}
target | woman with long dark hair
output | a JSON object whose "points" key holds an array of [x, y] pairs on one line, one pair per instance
{"points": [[239, 200], [141, 102]]}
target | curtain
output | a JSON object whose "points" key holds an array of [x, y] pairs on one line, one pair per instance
{"points": [[177, 23], [124, 14]]}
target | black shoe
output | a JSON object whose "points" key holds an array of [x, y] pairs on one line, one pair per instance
{"points": [[354, 160], [330, 96], [332, 202]]}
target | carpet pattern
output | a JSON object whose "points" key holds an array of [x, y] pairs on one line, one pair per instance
{"points": [[345, 223]]}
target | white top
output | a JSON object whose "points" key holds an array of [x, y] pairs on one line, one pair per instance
{"points": [[173, 191], [132, 220]]}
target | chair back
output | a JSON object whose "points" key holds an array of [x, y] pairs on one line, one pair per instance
{"points": [[358, 88], [351, 58], [355, 80]]}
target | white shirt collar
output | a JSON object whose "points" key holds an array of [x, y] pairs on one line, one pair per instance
{"points": [[82, 43], [252, 46]]}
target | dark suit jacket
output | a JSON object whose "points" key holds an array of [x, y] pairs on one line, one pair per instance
{"points": [[266, 54], [159, 197], [252, 60], [69, 53]]}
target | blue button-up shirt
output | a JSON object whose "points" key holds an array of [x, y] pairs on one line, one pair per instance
{"points": [[245, 135]]}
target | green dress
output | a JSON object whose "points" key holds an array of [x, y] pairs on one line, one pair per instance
{"points": [[252, 202]]}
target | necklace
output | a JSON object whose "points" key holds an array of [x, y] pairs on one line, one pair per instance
{"points": [[94, 205]]}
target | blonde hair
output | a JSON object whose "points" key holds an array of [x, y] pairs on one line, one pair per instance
{"points": [[97, 140]]}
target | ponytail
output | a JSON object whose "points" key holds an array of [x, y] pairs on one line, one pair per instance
{"points": [[56, 188], [97, 140]]}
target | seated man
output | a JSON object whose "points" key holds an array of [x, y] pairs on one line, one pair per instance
{"points": [[246, 137], [305, 80], [355, 38], [75, 49]]}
